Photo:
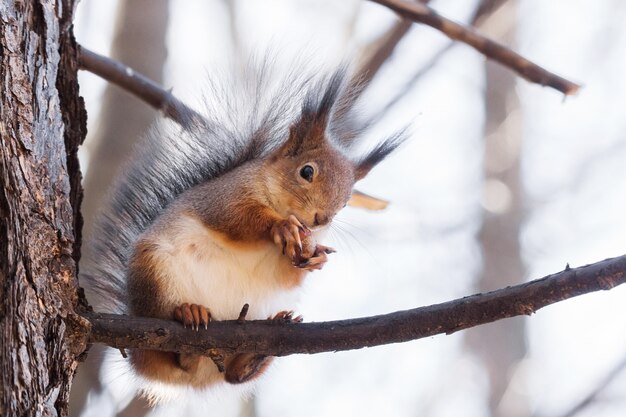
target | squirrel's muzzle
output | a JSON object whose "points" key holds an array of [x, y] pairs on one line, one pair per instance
{"points": [[320, 219]]}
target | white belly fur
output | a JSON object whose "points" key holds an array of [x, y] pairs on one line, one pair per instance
{"points": [[200, 266], [204, 268]]}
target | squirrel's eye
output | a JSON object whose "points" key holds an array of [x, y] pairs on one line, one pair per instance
{"points": [[307, 172]]}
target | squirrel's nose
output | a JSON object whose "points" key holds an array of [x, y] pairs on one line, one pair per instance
{"points": [[320, 220]]}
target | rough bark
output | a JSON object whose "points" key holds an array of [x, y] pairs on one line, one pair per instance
{"points": [[42, 122]]}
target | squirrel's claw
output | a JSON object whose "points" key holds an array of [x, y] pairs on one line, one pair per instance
{"points": [[298, 245], [296, 228], [323, 249], [315, 263], [192, 315], [318, 260], [286, 316]]}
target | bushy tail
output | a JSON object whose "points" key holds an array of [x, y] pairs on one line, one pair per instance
{"points": [[244, 119]]}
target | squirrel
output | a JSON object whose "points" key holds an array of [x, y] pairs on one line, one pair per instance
{"points": [[226, 211]]}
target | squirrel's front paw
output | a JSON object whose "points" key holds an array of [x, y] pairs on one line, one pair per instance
{"points": [[288, 235], [318, 259], [192, 315]]}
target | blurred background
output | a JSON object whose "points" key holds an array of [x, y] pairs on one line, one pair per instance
{"points": [[501, 182]]}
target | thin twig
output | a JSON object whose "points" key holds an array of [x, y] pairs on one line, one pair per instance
{"points": [[243, 313], [593, 395], [382, 49], [420, 13], [483, 12], [271, 338], [137, 84], [485, 9], [408, 85]]}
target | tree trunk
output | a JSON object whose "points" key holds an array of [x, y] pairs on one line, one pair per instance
{"points": [[42, 122], [501, 345]]}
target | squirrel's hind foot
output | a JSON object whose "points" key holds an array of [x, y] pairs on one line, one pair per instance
{"points": [[245, 367]]}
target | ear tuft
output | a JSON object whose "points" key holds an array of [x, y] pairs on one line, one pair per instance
{"points": [[380, 152], [299, 134], [309, 130], [334, 87]]}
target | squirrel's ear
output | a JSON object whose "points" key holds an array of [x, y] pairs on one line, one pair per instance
{"points": [[380, 152], [303, 134], [309, 131]]}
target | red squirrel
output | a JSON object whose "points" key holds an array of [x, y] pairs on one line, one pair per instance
{"points": [[222, 213]]}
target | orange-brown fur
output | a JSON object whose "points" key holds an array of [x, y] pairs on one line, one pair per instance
{"points": [[147, 277], [230, 222]]}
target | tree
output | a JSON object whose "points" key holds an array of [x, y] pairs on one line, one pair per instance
{"points": [[501, 345], [42, 121]]}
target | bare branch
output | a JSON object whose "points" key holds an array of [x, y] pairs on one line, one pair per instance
{"points": [[272, 338], [378, 53], [590, 398], [408, 86], [484, 11], [137, 84], [530, 71], [382, 50]]}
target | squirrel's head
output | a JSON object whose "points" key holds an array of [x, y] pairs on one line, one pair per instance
{"points": [[311, 177]]}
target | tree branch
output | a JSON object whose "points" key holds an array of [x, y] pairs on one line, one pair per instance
{"points": [[590, 398], [381, 50], [378, 53], [137, 84], [272, 338], [421, 13], [385, 47], [484, 11]]}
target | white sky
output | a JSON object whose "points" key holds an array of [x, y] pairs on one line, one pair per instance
{"points": [[424, 249]]}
